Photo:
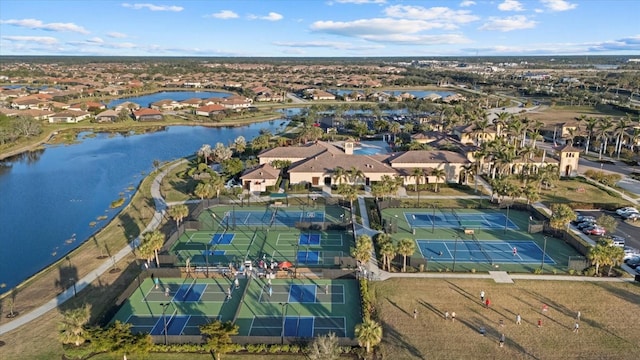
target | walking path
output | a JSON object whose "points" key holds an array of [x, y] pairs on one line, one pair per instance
{"points": [[160, 206]]}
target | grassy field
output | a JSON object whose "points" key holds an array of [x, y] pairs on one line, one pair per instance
{"points": [[579, 191], [608, 327]]}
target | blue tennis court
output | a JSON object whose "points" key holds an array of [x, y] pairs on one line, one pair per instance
{"points": [[454, 220], [309, 257], [189, 292], [302, 293], [221, 239], [298, 326], [174, 325], [309, 239], [527, 252]]}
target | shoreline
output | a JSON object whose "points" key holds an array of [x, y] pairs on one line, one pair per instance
{"points": [[48, 138]]}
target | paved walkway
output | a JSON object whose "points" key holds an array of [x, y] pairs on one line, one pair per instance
{"points": [[160, 206]]}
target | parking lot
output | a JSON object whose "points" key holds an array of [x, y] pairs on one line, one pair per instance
{"points": [[630, 233]]}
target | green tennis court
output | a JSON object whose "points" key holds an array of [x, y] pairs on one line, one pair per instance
{"points": [[300, 308], [180, 305]]}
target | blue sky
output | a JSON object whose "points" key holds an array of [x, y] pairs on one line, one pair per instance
{"points": [[320, 28]]}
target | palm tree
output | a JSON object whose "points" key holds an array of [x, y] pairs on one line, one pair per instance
{"points": [[439, 174], [362, 251], [178, 212], [355, 174], [369, 334], [502, 122], [203, 190], [418, 174], [217, 184], [590, 127], [530, 192], [561, 216], [619, 131], [340, 174], [406, 247], [387, 250], [349, 192], [204, 152], [597, 255], [155, 241], [72, 327], [603, 133]]}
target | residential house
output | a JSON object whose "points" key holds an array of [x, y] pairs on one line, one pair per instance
{"points": [[107, 116], [146, 114], [471, 134], [166, 104], [38, 114], [69, 116], [127, 105], [260, 178], [192, 103], [208, 110]]}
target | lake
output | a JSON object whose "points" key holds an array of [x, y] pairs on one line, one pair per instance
{"points": [[146, 100], [48, 196]]}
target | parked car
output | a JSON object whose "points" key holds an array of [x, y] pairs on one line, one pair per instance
{"points": [[585, 224], [583, 218], [630, 252], [594, 230], [631, 216], [627, 210], [633, 262]]}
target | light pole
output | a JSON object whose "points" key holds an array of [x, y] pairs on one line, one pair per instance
{"points": [[164, 319], [433, 219], [544, 250], [506, 221], [284, 307], [455, 251], [206, 258], [295, 254]]}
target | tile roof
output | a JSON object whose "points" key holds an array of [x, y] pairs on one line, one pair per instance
{"points": [[264, 171], [426, 156], [327, 162]]}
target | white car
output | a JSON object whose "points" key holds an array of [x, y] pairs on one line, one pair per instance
{"points": [[630, 252], [627, 210]]}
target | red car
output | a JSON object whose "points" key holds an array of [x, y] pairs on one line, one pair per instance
{"points": [[594, 230]]}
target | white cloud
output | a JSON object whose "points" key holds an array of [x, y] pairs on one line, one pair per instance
{"points": [[558, 5], [467, 3], [271, 17], [440, 14], [153, 7], [386, 30], [360, 2], [224, 14], [510, 5], [511, 23], [117, 35], [44, 40], [376, 26], [39, 25], [337, 45], [96, 40]]}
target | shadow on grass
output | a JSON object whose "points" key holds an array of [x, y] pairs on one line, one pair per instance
{"points": [[431, 308], [398, 307], [396, 339]]}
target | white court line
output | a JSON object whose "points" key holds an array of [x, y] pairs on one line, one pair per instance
{"points": [[445, 245]]}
